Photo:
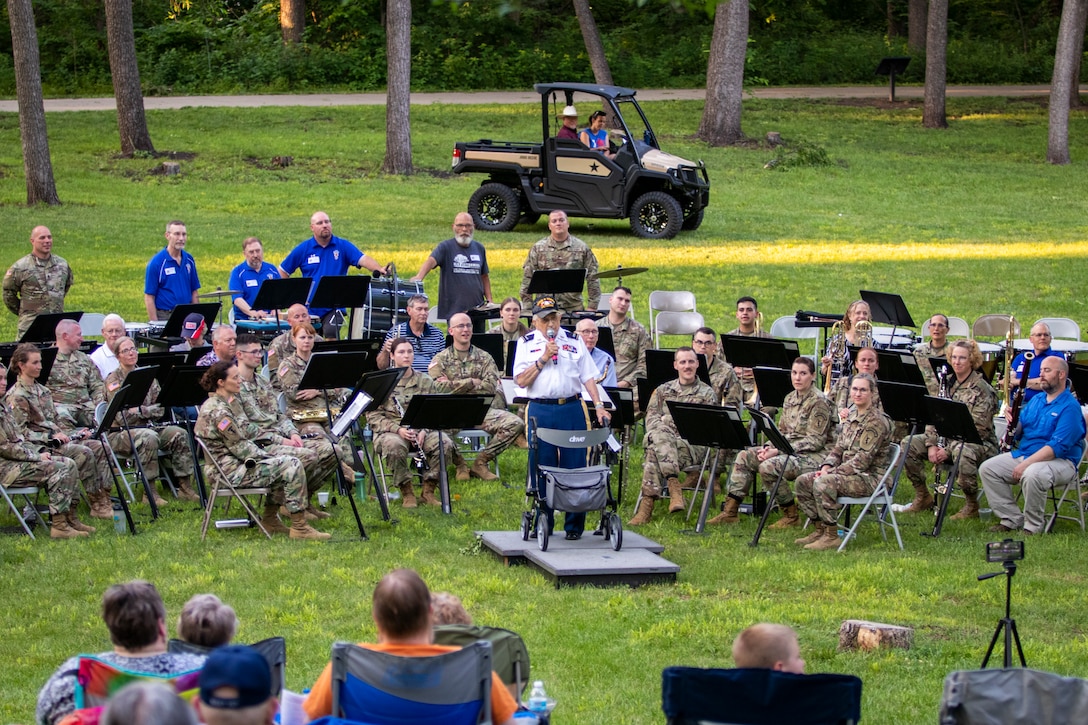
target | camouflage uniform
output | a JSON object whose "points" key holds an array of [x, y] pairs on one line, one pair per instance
{"points": [[76, 387], [460, 368], [841, 395], [21, 464], [281, 348], [572, 253], [631, 342], [33, 412], [806, 423], [922, 353], [219, 426], [856, 462], [667, 454], [172, 439], [981, 400], [35, 286], [726, 383], [385, 421], [290, 372], [258, 401]]}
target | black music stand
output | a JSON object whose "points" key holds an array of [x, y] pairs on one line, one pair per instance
{"points": [[1078, 377], [132, 394], [279, 294], [162, 362], [623, 417], [339, 291], [376, 386], [712, 426], [480, 315], [888, 308], [44, 327], [773, 384], [903, 402], [491, 344], [899, 367], [208, 310], [445, 412], [327, 370], [196, 353], [49, 356], [181, 391], [765, 425], [511, 352], [370, 344], [750, 352], [114, 408], [556, 282], [953, 421]]}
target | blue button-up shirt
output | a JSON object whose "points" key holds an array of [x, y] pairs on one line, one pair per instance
{"points": [[1058, 424]]}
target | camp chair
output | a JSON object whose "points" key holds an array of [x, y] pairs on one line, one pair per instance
{"points": [[509, 655], [384, 689], [691, 695], [273, 649], [981, 697], [97, 681]]}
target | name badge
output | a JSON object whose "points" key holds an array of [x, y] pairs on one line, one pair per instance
{"points": [[313, 259], [251, 283], [169, 271]]}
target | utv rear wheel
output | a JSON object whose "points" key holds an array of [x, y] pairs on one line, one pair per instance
{"points": [[495, 208], [656, 215]]}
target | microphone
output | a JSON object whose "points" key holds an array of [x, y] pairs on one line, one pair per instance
{"points": [[555, 357]]}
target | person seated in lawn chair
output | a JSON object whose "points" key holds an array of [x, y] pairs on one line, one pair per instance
{"points": [[770, 647]]}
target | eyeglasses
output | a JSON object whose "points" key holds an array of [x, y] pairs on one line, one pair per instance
{"points": [[1040, 334], [702, 342], [258, 351], [461, 326]]}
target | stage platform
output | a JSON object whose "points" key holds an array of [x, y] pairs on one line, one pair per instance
{"points": [[588, 561]]}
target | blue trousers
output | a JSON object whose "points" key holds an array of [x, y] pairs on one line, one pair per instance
{"points": [[569, 416]]}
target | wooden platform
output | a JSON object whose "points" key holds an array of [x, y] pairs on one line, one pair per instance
{"points": [[588, 561]]}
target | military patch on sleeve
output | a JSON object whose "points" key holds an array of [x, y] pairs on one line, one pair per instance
{"points": [[223, 424], [284, 369]]}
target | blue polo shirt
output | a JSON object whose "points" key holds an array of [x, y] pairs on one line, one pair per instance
{"points": [[170, 283], [245, 278], [315, 262], [1033, 371], [1058, 424]]}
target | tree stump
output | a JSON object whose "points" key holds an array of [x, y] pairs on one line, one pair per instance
{"points": [[774, 138], [867, 636], [171, 168]]}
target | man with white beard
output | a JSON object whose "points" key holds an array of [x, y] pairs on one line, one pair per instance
{"points": [[464, 282]]}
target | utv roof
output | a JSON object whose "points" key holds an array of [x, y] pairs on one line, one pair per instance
{"points": [[609, 92]]}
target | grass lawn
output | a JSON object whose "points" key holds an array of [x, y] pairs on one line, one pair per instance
{"points": [[964, 221]]}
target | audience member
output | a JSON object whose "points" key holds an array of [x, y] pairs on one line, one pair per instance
{"points": [[769, 646], [37, 283], [113, 328], [448, 609], [207, 622], [136, 619], [147, 703], [171, 278], [236, 688], [569, 124]]}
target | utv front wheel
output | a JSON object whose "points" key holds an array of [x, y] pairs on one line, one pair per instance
{"points": [[656, 215]]}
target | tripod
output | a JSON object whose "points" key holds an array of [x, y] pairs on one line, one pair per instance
{"points": [[1006, 623]]}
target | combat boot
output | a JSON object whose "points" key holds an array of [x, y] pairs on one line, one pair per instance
{"points": [[829, 539], [691, 480], [789, 518], [61, 530], [730, 514], [645, 512], [521, 441], [407, 496], [309, 516], [676, 495], [74, 523], [816, 533], [185, 490], [428, 496], [923, 499], [101, 506], [970, 507], [302, 530], [271, 521], [480, 470], [462, 471], [313, 510], [140, 497]]}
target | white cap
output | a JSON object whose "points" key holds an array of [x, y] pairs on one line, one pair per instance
{"points": [[569, 111]]}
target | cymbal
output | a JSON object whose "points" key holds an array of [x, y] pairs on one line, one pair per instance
{"points": [[621, 271], [219, 293]]}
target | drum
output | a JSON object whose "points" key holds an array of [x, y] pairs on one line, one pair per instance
{"points": [[897, 339], [386, 299], [132, 329]]}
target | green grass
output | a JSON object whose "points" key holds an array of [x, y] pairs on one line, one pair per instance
{"points": [[964, 221]]}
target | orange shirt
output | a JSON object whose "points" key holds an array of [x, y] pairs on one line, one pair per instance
{"points": [[319, 702]]}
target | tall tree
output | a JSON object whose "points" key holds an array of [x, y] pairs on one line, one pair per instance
{"points": [[131, 121], [594, 47], [398, 95], [933, 111], [916, 25], [1078, 55], [720, 124], [40, 186], [1062, 86], [292, 20]]}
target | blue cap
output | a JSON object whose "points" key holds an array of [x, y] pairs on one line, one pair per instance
{"points": [[240, 667]]}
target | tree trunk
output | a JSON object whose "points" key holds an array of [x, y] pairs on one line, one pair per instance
{"points": [[720, 124], [867, 636], [895, 29], [292, 20], [131, 121], [594, 47], [1070, 42], [916, 25], [398, 133], [40, 187], [933, 114], [1074, 72]]}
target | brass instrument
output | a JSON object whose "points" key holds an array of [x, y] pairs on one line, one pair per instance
{"points": [[864, 331], [314, 416], [840, 357], [759, 323], [1006, 376], [942, 392], [1017, 400]]}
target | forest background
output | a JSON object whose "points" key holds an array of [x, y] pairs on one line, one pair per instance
{"points": [[223, 46]]}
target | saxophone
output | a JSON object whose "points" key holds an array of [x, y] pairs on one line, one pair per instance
{"points": [[942, 392]]}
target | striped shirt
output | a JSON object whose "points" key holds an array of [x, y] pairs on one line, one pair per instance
{"points": [[425, 346]]}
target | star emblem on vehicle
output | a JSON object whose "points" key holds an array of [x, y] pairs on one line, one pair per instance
{"points": [[593, 167]]}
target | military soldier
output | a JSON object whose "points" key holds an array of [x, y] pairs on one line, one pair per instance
{"points": [[282, 346], [396, 443], [852, 468], [219, 427], [747, 326], [667, 454], [36, 417], [171, 439], [23, 464], [74, 380], [967, 386], [561, 250], [629, 338], [465, 369], [936, 347], [37, 283], [807, 419], [726, 384]]}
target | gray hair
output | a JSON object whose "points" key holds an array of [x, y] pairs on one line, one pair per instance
{"points": [[148, 703], [113, 317]]}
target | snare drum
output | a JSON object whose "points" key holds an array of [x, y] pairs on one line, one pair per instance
{"points": [[132, 329], [385, 299]]}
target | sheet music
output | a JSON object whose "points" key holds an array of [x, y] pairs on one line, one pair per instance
{"points": [[348, 416]]}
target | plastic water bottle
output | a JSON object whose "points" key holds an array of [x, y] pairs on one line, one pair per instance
{"points": [[538, 701]]}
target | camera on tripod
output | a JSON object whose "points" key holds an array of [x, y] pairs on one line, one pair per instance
{"points": [[1006, 553], [999, 552]]}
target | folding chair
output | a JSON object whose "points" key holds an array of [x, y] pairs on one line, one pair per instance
{"points": [[90, 324], [221, 486], [676, 323], [995, 326], [882, 496], [26, 492], [693, 696], [273, 649], [471, 441], [982, 697], [1060, 327], [384, 689], [509, 655], [786, 326], [666, 301], [1070, 489]]}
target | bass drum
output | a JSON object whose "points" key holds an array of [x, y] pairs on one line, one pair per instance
{"points": [[387, 300]]}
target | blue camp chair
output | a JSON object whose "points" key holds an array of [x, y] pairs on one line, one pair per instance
{"points": [[378, 688], [691, 695]]}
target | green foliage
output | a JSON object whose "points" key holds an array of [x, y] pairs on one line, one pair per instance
{"points": [[798, 154]]}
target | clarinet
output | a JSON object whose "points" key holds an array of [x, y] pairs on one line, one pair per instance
{"points": [[419, 457], [942, 392]]}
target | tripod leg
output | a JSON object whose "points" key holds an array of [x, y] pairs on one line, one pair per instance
{"points": [[1019, 649], [705, 508], [993, 643]]}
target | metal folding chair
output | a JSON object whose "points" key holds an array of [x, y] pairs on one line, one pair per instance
{"points": [[221, 486], [26, 492], [882, 496]]}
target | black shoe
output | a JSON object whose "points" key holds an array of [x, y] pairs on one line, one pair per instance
{"points": [[571, 536], [1001, 528]]}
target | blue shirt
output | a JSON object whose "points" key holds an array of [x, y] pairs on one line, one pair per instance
{"points": [[244, 278], [604, 362], [170, 283], [1058, 424], [316, 262], [1033, 371]]}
